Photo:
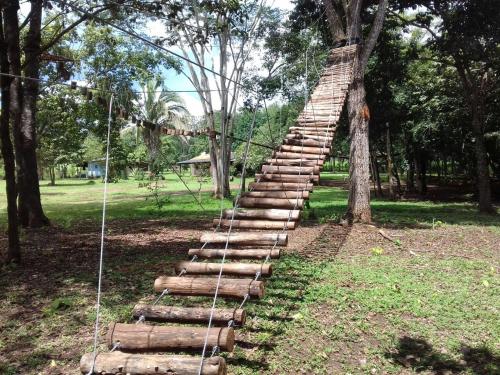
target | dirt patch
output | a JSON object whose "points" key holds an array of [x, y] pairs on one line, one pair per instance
{"points": [[318, 242], [444, 241]]}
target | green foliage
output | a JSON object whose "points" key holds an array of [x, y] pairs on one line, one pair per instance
{"points": [[60, 133], [271, 124]]}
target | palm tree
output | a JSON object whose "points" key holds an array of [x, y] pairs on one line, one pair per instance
{"points": [[165, 109]]}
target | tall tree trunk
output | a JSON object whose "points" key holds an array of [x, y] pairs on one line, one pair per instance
{"points": [[13, 249], [410, 173], [214, 160], [30, 205], [358, 209], [421, 172], [390, 166], [376, 174], [475, 97], [482, 165]]}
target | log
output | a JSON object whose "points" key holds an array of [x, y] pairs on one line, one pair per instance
{"points": [[306, 142], [235, 253], [306, 150], [160, 338], [189, 314], [297, 162], [275, 186], [298, 136], [237, 269], [118, 363], [246, 238], [286, 178], [271, 203], [205, 286], [254, 224], [266, 214], [303, 170], [298, 155], [289, 194]]}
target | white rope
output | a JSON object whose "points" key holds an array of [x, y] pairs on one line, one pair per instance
{"points": [[103, 226]]}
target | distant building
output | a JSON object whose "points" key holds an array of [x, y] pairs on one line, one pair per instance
{"points": [[199, 164], [95, 168]]}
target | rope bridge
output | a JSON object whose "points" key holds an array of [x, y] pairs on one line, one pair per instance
{"points": [[238, 252]]}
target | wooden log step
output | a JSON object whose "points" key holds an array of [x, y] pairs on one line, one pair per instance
{"points": [[235, 253], [263, 214], [205, 286], [118, 363], [317, 124], [275, 186], [296, 162], [160, 338], [176, 314], [308, 131], [254, 224], [306, 150], [272, 203], [316, 137], [286, 177], [302, 170], [289, 194], [237, 269], [297, 155], [323, 121], [246, 238], [306, 142]]}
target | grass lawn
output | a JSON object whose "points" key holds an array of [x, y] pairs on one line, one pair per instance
{"points": [[73, 200], [341, 301]]}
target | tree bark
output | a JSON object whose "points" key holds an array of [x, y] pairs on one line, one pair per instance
{"points": [[483, 173], [421, 172], [359, 171], [376, 174], [334, 22], [390, 165], [13, 253], [30, 209]]}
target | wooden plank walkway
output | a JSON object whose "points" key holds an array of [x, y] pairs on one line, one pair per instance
{"points": [[260, 223]]}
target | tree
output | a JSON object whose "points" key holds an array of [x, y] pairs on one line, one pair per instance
{"points": [[228, 31], [163, 109], [465, 33], [24, 59], [60, 132], [13, 249], [344, 19]]}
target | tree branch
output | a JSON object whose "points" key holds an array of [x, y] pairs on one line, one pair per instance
{"points": [[371, 40]]}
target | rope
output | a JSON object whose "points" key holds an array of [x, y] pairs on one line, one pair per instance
{"points": [[103, 226]]}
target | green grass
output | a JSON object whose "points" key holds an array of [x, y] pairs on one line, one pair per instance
{"points": [[73, 200], [377, 310]]}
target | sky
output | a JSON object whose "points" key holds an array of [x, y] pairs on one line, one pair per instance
{"points": [[175, 81]]}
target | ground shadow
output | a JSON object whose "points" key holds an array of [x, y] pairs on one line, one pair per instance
{"points": [[328, 204], [285, 293], [419, 355]]}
